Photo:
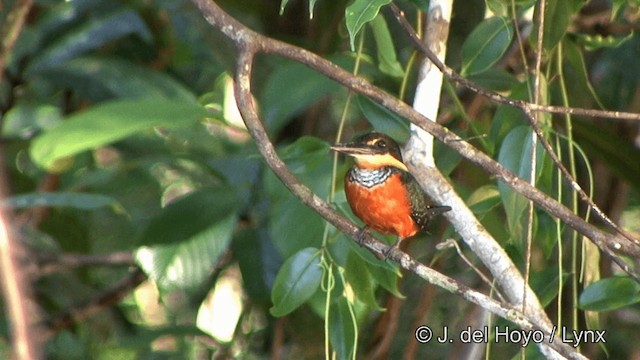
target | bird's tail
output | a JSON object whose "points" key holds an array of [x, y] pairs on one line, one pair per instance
{"points": [[437, 210]]}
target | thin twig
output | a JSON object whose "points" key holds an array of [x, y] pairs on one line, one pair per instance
{"points": [[98, 303], [11, 30], [49, 263]]}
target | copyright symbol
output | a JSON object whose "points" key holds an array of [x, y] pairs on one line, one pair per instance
{"points": [[423, 334]]}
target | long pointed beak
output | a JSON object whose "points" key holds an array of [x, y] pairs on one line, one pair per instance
{"points": [[353, 149]]}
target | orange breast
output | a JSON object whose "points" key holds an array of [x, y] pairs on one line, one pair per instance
{"points": [[385, 208]]}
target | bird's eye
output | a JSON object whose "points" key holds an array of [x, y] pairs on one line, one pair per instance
{"points": [[381, 144]]}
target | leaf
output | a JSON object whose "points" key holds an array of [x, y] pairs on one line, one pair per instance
{"points": [[61, 199], [557, 18], [360, 12], [190, 215], [91, 35], [387, 60], [578, 80], [341, 332], [281, 101], [601, 142], [298, 279], [99, 78], [610, 294], [358, 276], [292, 225], [515, 155], [484, 199], [183, 243], [104, 124], [485, 45], [383, 120], [25, 119]]}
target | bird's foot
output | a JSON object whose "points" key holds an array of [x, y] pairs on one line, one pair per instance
{"points": [[362, 233], [390, 249]]}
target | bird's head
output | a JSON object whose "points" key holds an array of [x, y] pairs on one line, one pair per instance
{"points": [[373, 151]]}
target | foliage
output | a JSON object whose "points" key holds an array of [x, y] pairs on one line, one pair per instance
{"points": [[118, 118]]}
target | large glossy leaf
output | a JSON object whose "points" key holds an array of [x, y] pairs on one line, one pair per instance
{"points": [[387, 60], [298, 279], [601, 142], [110, 122], [65, 199], [383, 120], [557, 18], [515, 155], [360, 12], [341, 330], [91, 35], [99, 78], [363, 285], [181, 245], [486, 45], [292, 225], [281, 99], [610, 294]]}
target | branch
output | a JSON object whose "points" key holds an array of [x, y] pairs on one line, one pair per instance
{"points": [[50, 263], [11, 30], [103, 300]]}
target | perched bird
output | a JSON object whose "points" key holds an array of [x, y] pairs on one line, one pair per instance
{"points": [[381, 191]]}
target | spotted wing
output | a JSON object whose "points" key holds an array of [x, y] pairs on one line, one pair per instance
{"points": [[421, 212]]}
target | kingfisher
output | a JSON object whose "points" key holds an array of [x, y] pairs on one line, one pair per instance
{"points": [[382, 192]]}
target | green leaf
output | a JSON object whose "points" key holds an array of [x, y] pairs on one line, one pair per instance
{"points": [[183, 243], [610, 294], [486, 45], [292, 225], [384, 120], [99, 78], [281, 101], [104, 124], [484, 199], [387, 61], [360, 12], [557, 18], [545, 284], [91, 35], [604, 143], [577, 77], [341, 331], [363, 285], [298, 279], [515, 155], [63, 199], [190, 215], [22, 120]]}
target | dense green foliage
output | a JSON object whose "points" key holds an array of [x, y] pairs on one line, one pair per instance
{"points": [[118, 118]]}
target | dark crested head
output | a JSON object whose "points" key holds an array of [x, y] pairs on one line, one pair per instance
{"points": [[373, 150]]}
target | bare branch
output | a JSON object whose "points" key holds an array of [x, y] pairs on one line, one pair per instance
{"points": [[49, 263], [11, 30], [101, 301]]}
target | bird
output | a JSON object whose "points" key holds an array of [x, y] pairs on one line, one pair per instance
{"points": [[382, 192]]}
